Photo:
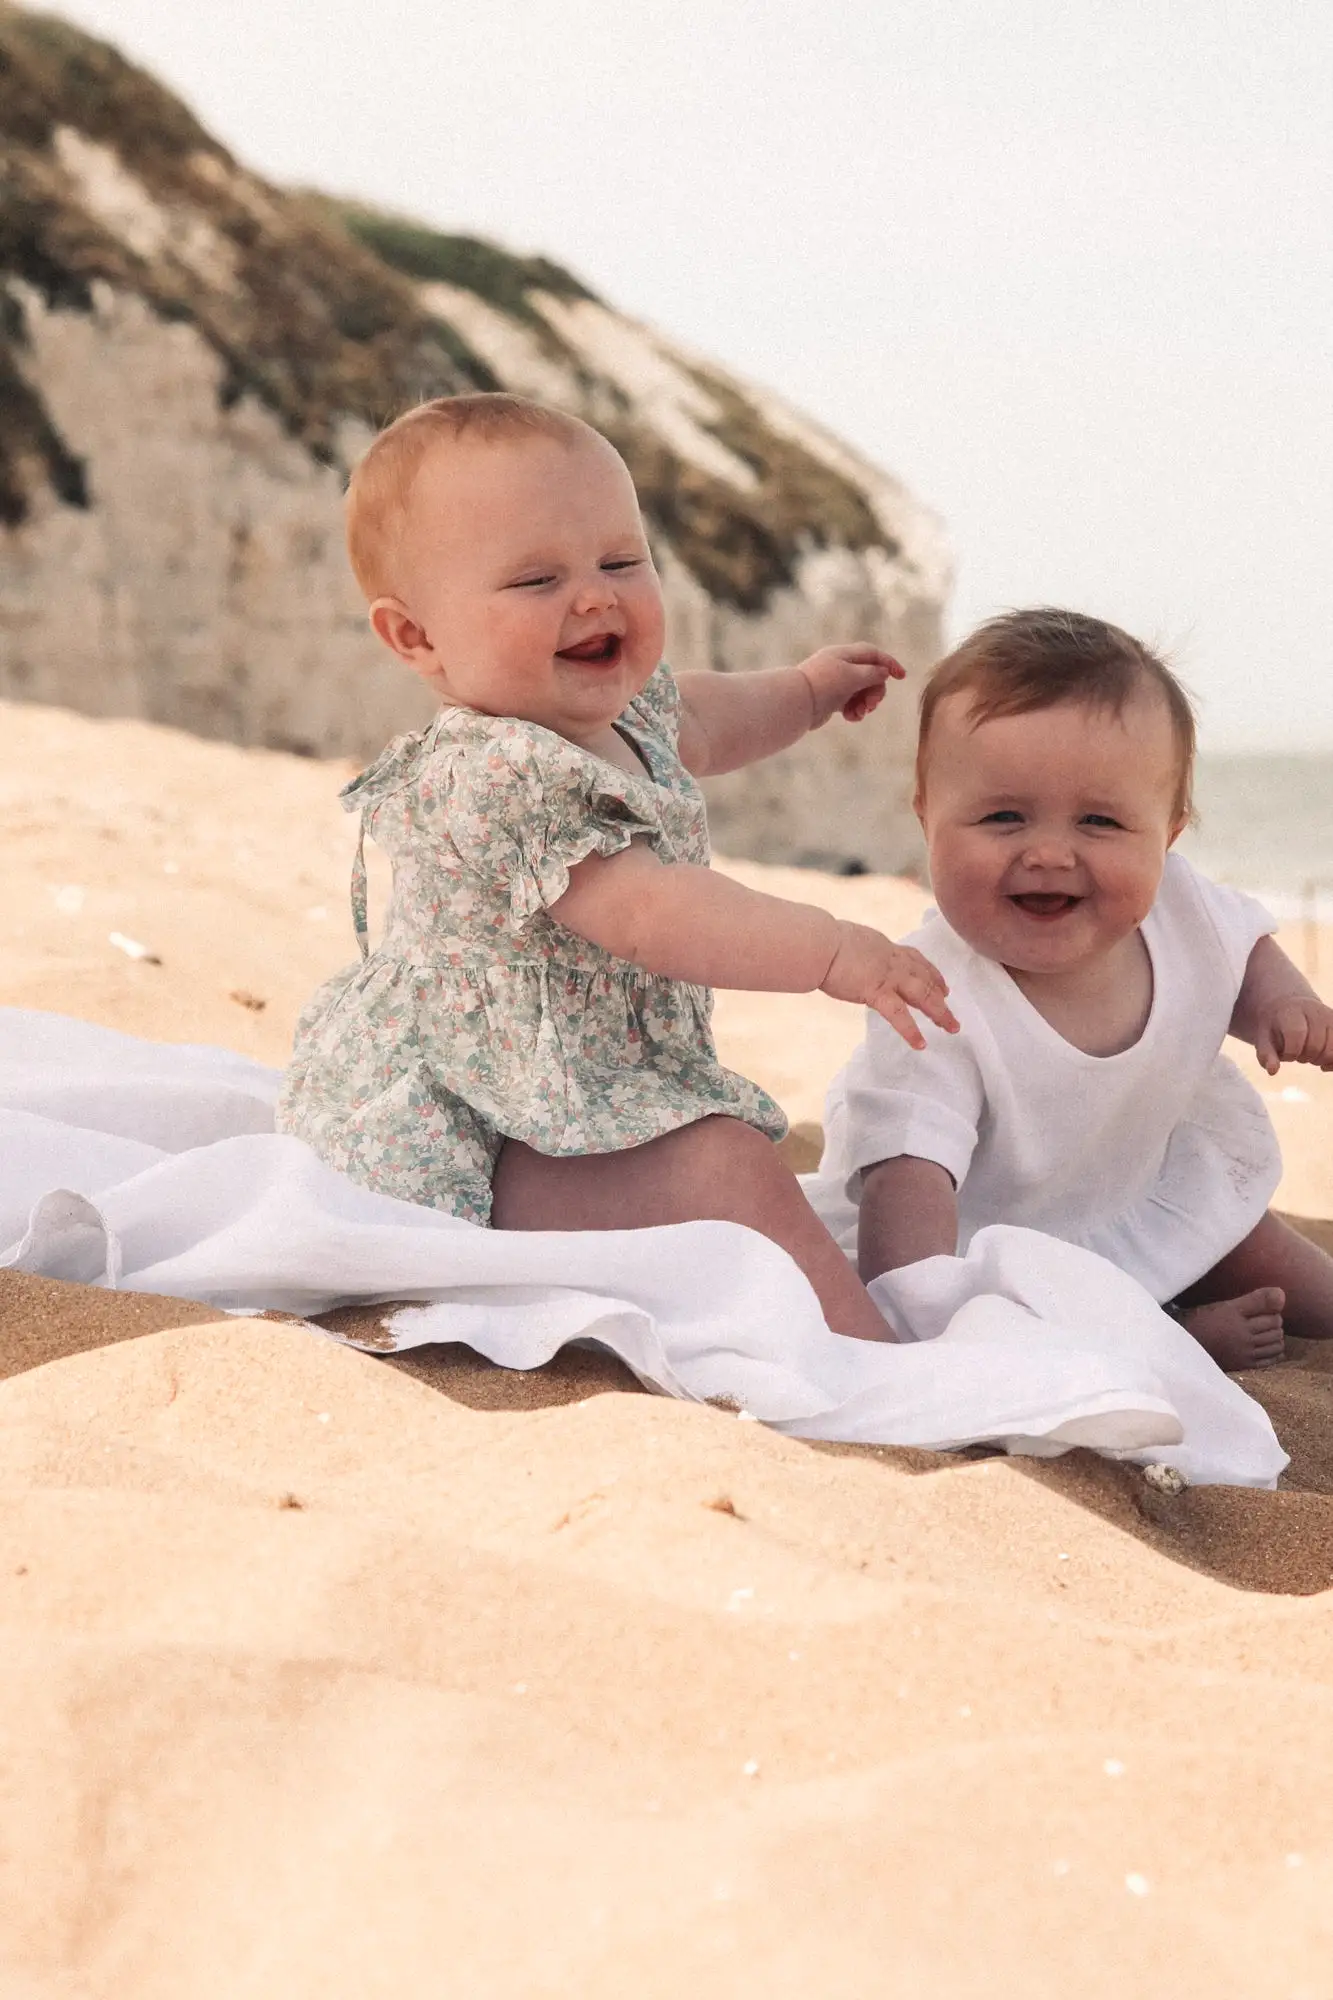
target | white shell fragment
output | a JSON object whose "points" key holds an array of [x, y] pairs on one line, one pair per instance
{"points": [[132, 948], [1165, 1479]]}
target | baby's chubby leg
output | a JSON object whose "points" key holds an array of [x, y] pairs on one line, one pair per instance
{"points": [[717, 1169], [1274, 1282]]}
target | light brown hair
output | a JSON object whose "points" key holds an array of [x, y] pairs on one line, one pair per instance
{"points": [[1030, 660], [380, 488]]}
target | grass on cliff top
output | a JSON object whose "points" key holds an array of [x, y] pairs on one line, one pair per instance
{"points": [[500, 277], [741, 544]]}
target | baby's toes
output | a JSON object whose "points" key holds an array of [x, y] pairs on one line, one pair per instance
{"points": [[1262, 1312], [1266, 1344]]}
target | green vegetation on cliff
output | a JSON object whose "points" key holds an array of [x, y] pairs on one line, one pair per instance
{"points": [[498, 276], [741, 544]]}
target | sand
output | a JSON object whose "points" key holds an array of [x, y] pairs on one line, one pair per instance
{"points": [[326, 1675]]}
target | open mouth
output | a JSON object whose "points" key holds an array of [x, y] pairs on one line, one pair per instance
{"points": [[1045, 904], [600, 651]]}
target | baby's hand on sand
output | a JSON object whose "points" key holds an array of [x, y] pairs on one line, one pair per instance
{"points": [[871, 971], [847, 681], [1299, 1029]]}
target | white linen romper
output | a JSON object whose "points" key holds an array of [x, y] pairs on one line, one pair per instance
{"points": [[1161, 1158]]}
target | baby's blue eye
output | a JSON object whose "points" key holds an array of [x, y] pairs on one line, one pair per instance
{"points": [[1006, 817], [1100, 819], [624, 562]]}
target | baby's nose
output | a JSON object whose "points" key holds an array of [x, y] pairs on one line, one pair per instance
{"points": [[1048, 850], [595, 592]]}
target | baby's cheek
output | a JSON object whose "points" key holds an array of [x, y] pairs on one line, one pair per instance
{"points": [[970, 906], [1133, 895], [650, 622]]}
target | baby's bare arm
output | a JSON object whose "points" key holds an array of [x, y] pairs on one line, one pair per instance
{"points": [[1279, 1013], [688, 923], [729, 720], [909, 1210]]}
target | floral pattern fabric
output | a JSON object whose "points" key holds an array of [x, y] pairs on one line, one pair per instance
{"points": [[478, 1017]]}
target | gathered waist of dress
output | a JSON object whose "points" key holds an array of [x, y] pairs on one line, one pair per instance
{"points": [[576, 960]]}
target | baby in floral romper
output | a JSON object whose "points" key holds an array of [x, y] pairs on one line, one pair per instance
{"points": [[529, 1043]]}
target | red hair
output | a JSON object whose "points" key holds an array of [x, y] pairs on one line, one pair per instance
{"points": [[380, 488]]}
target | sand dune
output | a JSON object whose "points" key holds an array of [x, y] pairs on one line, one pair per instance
{"points": [[324, 1675], [334, 1684]]}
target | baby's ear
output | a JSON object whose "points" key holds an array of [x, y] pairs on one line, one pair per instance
{"points": [[393, 623]]}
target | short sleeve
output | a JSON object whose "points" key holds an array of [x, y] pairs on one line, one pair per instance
{"points": [[656, 707], [926, 1103], [523, 807], [1238, 920]]}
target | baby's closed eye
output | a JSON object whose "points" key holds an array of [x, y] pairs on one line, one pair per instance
{"points": [[612, 565]]}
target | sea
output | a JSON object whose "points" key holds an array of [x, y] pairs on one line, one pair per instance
{"points": [[1266, 824]]}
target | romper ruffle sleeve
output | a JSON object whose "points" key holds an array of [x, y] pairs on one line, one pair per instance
{"points": [[522, 812]]}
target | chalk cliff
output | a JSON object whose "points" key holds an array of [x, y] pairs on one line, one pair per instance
{"points": [[190, 358]]}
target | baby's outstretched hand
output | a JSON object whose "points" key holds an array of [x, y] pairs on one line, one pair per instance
{"points": [[1299, 1029], [848, 681], [870, 970]]}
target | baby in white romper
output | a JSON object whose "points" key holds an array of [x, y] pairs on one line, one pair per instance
{"points": [[1095, 974], [528, 1043]]}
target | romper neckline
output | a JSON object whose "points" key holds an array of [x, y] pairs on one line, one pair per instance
{"points": [[640, 740], [1059, 1043]]}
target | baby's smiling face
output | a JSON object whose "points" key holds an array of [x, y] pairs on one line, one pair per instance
{"points": [[525, 584], [1048, 832]]}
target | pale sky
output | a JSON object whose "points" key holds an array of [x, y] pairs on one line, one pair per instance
{"points": [[1064, 269]]}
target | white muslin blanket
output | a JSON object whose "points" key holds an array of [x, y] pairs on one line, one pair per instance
{"points": [[155, 1167]]}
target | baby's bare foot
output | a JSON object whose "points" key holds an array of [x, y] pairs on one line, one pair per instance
{"points": [[1239, 1333]]}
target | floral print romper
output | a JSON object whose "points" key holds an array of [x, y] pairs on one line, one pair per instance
{"points": [[478, 1017]]}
